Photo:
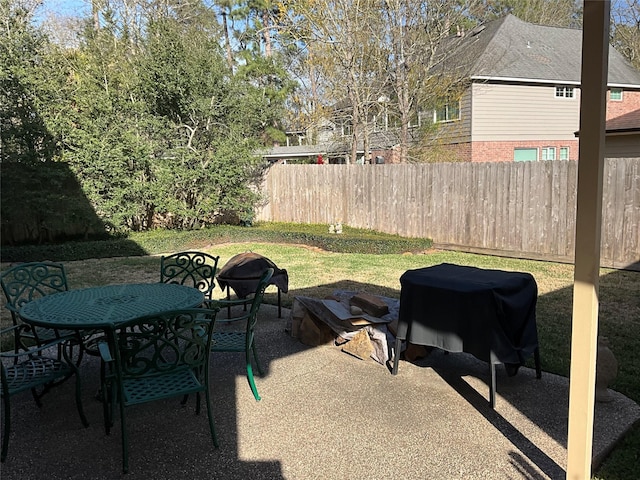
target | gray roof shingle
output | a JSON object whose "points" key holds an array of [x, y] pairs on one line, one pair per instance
{"points": [[629, 122], [511, 49]]}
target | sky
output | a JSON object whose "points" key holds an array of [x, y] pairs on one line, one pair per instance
{"points": [[64, 7]]}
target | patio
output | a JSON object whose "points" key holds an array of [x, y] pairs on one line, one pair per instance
{"points": [[323, 414]]}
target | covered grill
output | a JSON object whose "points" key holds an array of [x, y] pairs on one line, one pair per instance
{"points": [[243, 271]]}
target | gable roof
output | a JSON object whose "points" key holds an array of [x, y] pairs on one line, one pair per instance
{"points": [[509, 49]]}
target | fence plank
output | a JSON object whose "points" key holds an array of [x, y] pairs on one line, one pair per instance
{"points": [[522, 208]]}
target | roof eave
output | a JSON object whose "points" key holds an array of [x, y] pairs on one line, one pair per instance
{"points": [[623, 131], [488, 78]]}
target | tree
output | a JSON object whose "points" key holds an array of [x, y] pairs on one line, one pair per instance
{"points": [[151, 121], [557, 13], [23, 133], [625, 31], [419, 37], [213, 124], [341, 38], [379, 57]]}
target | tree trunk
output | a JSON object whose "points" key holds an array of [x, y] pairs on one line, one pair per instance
{"points": [[355, 125], [227, 42], [95, 13], [366, 155], [266, 34]]}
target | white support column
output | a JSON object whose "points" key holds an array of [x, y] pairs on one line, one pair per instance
{"points": [[595, 60]]}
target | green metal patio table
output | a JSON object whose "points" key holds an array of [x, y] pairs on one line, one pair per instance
{"points": [[108, 306]]}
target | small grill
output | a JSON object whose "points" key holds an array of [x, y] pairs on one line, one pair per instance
{"points": [[242, 274]]}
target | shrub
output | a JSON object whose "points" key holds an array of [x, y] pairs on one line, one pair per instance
{"points": [[352, 240]]}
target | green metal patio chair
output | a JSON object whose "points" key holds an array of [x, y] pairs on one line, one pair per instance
{"points": [[155, 358], [196, 269], [29, 369], [236, 340], [28, 281]]}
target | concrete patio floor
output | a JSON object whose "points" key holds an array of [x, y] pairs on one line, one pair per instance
{"points": [[324, 414]]}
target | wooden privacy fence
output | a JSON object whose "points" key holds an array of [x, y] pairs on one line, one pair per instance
{"points": [[523, 209]]}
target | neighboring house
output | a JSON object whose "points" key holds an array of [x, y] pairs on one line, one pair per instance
{"points": [[295, 153], [622, 136], [523, 100]]}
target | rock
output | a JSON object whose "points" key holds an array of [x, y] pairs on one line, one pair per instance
{"points": [[355, 310], [340, 340], [296, 316], [415, 352], [308, 329], [359, 346], [370, 304]]}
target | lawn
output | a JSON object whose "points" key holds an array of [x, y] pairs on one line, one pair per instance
{"points": [[316, 272]]}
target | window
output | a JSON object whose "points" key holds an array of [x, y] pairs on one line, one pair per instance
{"points": [[414, 120], [549, 153], [615, 94], [564, 92], [564, 153], [449, 112], [525, 154]]}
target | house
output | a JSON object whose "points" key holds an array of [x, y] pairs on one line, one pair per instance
{"points": [[522, 100], [623, 136]]}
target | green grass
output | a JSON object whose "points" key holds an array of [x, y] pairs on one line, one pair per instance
{"points": [[319, 263]]}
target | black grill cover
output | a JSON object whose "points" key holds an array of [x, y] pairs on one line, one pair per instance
{"points": [[243, 271]]}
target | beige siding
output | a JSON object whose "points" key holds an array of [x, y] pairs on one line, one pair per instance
{"points": [[523, 112]]}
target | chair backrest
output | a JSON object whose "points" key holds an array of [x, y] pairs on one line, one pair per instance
{"points": [[196, 269], [7, 336], [160, 344], [28, 281], [257, 299]]}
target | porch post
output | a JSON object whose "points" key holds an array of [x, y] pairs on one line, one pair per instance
{"points": [[595, 59]]}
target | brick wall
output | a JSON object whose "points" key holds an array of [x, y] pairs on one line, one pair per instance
{"points": [[503, 151], [630, 102], [390, 156]]}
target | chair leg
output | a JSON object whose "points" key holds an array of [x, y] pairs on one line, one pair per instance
{"points": [[279, 303], [210, 417], [7, 428], [37, 396], [106, 391], [72, 343], [106, 409], [255, 358], [68, 357], [83, 418], [125, 440], [252, 383]]}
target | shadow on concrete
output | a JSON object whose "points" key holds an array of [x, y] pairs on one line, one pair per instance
{"points": [[554, 312], [320, 409]]}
